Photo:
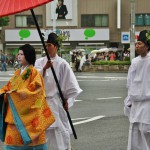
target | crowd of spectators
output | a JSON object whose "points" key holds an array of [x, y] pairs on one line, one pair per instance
{"points": [[111, 56], [79, 59]]}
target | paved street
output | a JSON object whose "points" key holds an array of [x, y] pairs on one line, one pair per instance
{"points": [[98, 111], [102, 102]]}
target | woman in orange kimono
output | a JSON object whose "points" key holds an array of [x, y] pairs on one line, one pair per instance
{"points": [[27, 112]]}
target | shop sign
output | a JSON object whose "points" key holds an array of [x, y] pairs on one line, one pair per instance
{"points": [[125, 37], [71, 34]]}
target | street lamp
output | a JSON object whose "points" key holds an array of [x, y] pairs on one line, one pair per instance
{"points": [[132, 30]]}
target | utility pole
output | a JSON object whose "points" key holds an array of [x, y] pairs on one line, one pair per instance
{"points": [[132, 30], [54, 16]]}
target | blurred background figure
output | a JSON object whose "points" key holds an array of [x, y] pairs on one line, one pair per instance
{"points": [[3, 61], [112, 56], [16, 64], [78, 59], [73, 59]]}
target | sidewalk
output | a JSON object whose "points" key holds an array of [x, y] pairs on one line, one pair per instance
{"points": [[10, 71], [10, 68]]}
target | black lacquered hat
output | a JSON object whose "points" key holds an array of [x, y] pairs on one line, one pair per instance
{"points": [[53, 38], [144, 37]]}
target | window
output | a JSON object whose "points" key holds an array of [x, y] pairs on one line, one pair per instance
{"points": [[147, 19], [27, 21], [142, 19], [94, 20]]}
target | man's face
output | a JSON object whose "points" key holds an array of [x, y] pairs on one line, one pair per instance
{"points": [[141, 48], [52, 49]]}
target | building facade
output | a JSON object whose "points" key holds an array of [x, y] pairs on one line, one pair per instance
{"points": [[88, 25]]}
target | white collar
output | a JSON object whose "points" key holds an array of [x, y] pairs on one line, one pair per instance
{"points": [[53, 58], [22, 69]]}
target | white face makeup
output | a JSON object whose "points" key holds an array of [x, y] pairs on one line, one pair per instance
{"points": [[21, 58]]}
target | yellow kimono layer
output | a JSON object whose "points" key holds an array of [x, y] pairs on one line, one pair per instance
{"points": [[25, 100]]}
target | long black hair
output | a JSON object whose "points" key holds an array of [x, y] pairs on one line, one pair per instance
{"points": [[29, 53]]}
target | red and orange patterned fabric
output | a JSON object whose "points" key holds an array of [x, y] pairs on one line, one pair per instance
{"points": [[28, 95]]}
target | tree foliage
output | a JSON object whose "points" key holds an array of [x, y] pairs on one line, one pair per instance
{"points": [[4, 21], [111, 63], [60, 39]]}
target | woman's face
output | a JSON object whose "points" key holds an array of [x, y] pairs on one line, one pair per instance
{"points": [[141, 48], [60, 3], [21, 58]]}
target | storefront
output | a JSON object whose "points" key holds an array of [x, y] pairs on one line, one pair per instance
{"points": [[88, 39]]}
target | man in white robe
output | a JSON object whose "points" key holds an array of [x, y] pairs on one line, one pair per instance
{"points": [[137, 103], [58, 135], [83, 59]]}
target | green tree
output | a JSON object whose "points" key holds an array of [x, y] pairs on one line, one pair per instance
{"points": [[4, 21]]}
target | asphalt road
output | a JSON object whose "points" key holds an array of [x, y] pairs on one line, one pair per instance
{"points": [[101, 100], [98, 111]]}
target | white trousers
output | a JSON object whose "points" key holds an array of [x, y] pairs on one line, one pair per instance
{"points": [[58, 134], [139, 136], [56, 140]]}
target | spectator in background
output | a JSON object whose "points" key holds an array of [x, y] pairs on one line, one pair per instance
{"points": [[73, 59], [78, 59], [112, 56], [88, 60], [92, 59], [106, 56], [117, 56], [96, 57], [3, 61], [101, 56], [126, 54], [120, 56]]}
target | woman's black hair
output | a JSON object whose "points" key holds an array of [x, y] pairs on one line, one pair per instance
{"points": [[29, 53]]}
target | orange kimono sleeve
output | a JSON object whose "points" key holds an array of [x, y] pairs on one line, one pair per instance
{"points": [[5, 88]]}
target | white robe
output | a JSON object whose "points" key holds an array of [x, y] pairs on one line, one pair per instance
{"points": [[58, 134], [138, 83], [83, 59]]}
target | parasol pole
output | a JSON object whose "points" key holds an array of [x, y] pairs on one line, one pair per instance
{"points": [[54, 74]]}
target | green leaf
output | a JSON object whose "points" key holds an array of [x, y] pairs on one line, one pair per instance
{"points": [[60, 39], [26, 75], [148, 37]]}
